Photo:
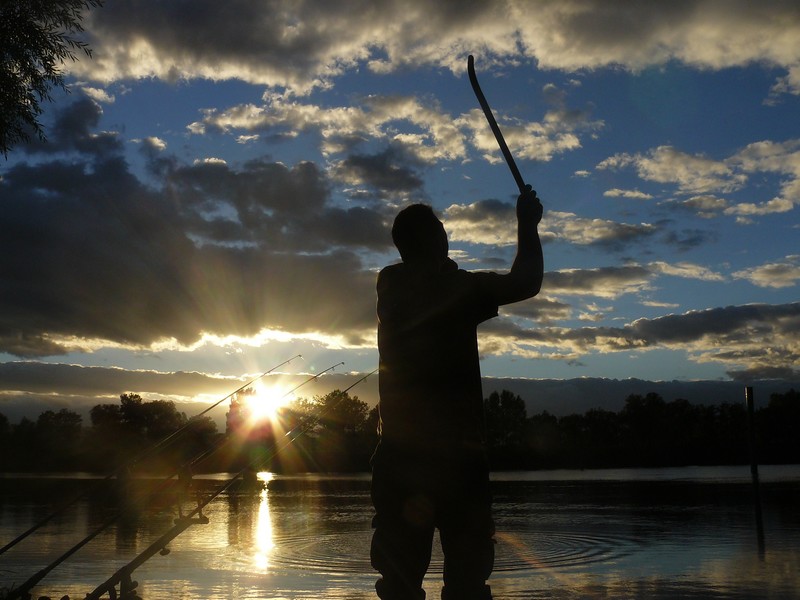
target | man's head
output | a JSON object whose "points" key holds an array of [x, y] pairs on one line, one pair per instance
{"points": [[419, 235]]}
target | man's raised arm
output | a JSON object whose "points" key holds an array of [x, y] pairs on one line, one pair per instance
{"points": [[525, 278]]}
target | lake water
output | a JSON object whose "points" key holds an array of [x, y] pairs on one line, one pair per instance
{"points": [[605, 534]]}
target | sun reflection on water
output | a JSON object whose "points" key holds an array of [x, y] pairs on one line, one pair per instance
{"points": [[263, 543]]}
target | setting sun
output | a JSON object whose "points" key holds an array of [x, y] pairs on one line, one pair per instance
{"points": [[265, 401]]}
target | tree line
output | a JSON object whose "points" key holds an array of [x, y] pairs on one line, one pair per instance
{"points": [[647, 432], [338, 432]]}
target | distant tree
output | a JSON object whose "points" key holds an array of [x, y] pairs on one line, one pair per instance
{"points": [[107, 443], [23, 443], [201, 435], [338, 436], [542, 441], [151, 421], [58, 438], [122, 432], [106, 415], [505, 415], [161, 419], [642, 421], [36, 38], [5, 443], [238, 415], [778, 425]]}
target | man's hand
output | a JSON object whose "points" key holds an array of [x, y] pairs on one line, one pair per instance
{"points": [[529, 208]]}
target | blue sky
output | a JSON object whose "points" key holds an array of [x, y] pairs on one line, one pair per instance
{"points": [[216, 192]]}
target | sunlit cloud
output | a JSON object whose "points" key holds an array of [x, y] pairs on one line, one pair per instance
{"points": [[705, 178], [749, 336], [773, 275], [609, 282], [491, 222], [686, 270], [692, 174], [257, 44], [633, 194], [98, 94]]}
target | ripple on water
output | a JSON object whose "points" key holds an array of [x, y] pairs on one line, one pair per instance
{"points": [[333, 554], [519, 551]]}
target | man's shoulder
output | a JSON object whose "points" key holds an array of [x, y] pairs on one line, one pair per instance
{"points": [[389, 269]]}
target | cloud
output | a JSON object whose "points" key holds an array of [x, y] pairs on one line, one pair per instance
{"points": [[281, 46], [389, 171], [490, 222], [95, 256], [493, 222], [98, 94], [704, 178], [540, 309], [429, 134], [416, 126], [608, 282], [634, 194], [705, 206], [773, 275], [686, 271], [692, 174], [751, 336], [73, 130], [569, 227], [612, 282]]}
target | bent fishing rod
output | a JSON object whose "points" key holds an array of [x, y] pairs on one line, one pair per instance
{"points": [[124, 574], [487, 111], [184, 522], [134, 460]]}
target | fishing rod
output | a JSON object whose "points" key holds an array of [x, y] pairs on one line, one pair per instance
{"points": [[42, 573], [487, 111], [132, 461], [123, 575], [315, 418]]}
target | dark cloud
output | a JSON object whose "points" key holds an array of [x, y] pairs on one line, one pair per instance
{"points": [[605, 282], [761, 336], [73, 130], [390, 171], [74, 380], [539, 309], [91, 252], [307, 44], [689, 239], [725, 324], [765, 373]]}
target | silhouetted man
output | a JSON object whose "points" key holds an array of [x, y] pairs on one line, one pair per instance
{"points": [[430, 469]]}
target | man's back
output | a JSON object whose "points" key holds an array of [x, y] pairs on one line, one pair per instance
{"points": [[430, 383]]}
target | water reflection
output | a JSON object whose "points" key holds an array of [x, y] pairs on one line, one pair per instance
{"points": [[307, 537], [264, 542]]}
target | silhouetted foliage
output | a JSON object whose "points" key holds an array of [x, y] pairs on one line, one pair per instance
{"points": [[339, 434], [505, 428], [58, 439], [36, 38], [782, 421]]}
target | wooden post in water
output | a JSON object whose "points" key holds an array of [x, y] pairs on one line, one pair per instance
{"points": [[748, 397]]}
